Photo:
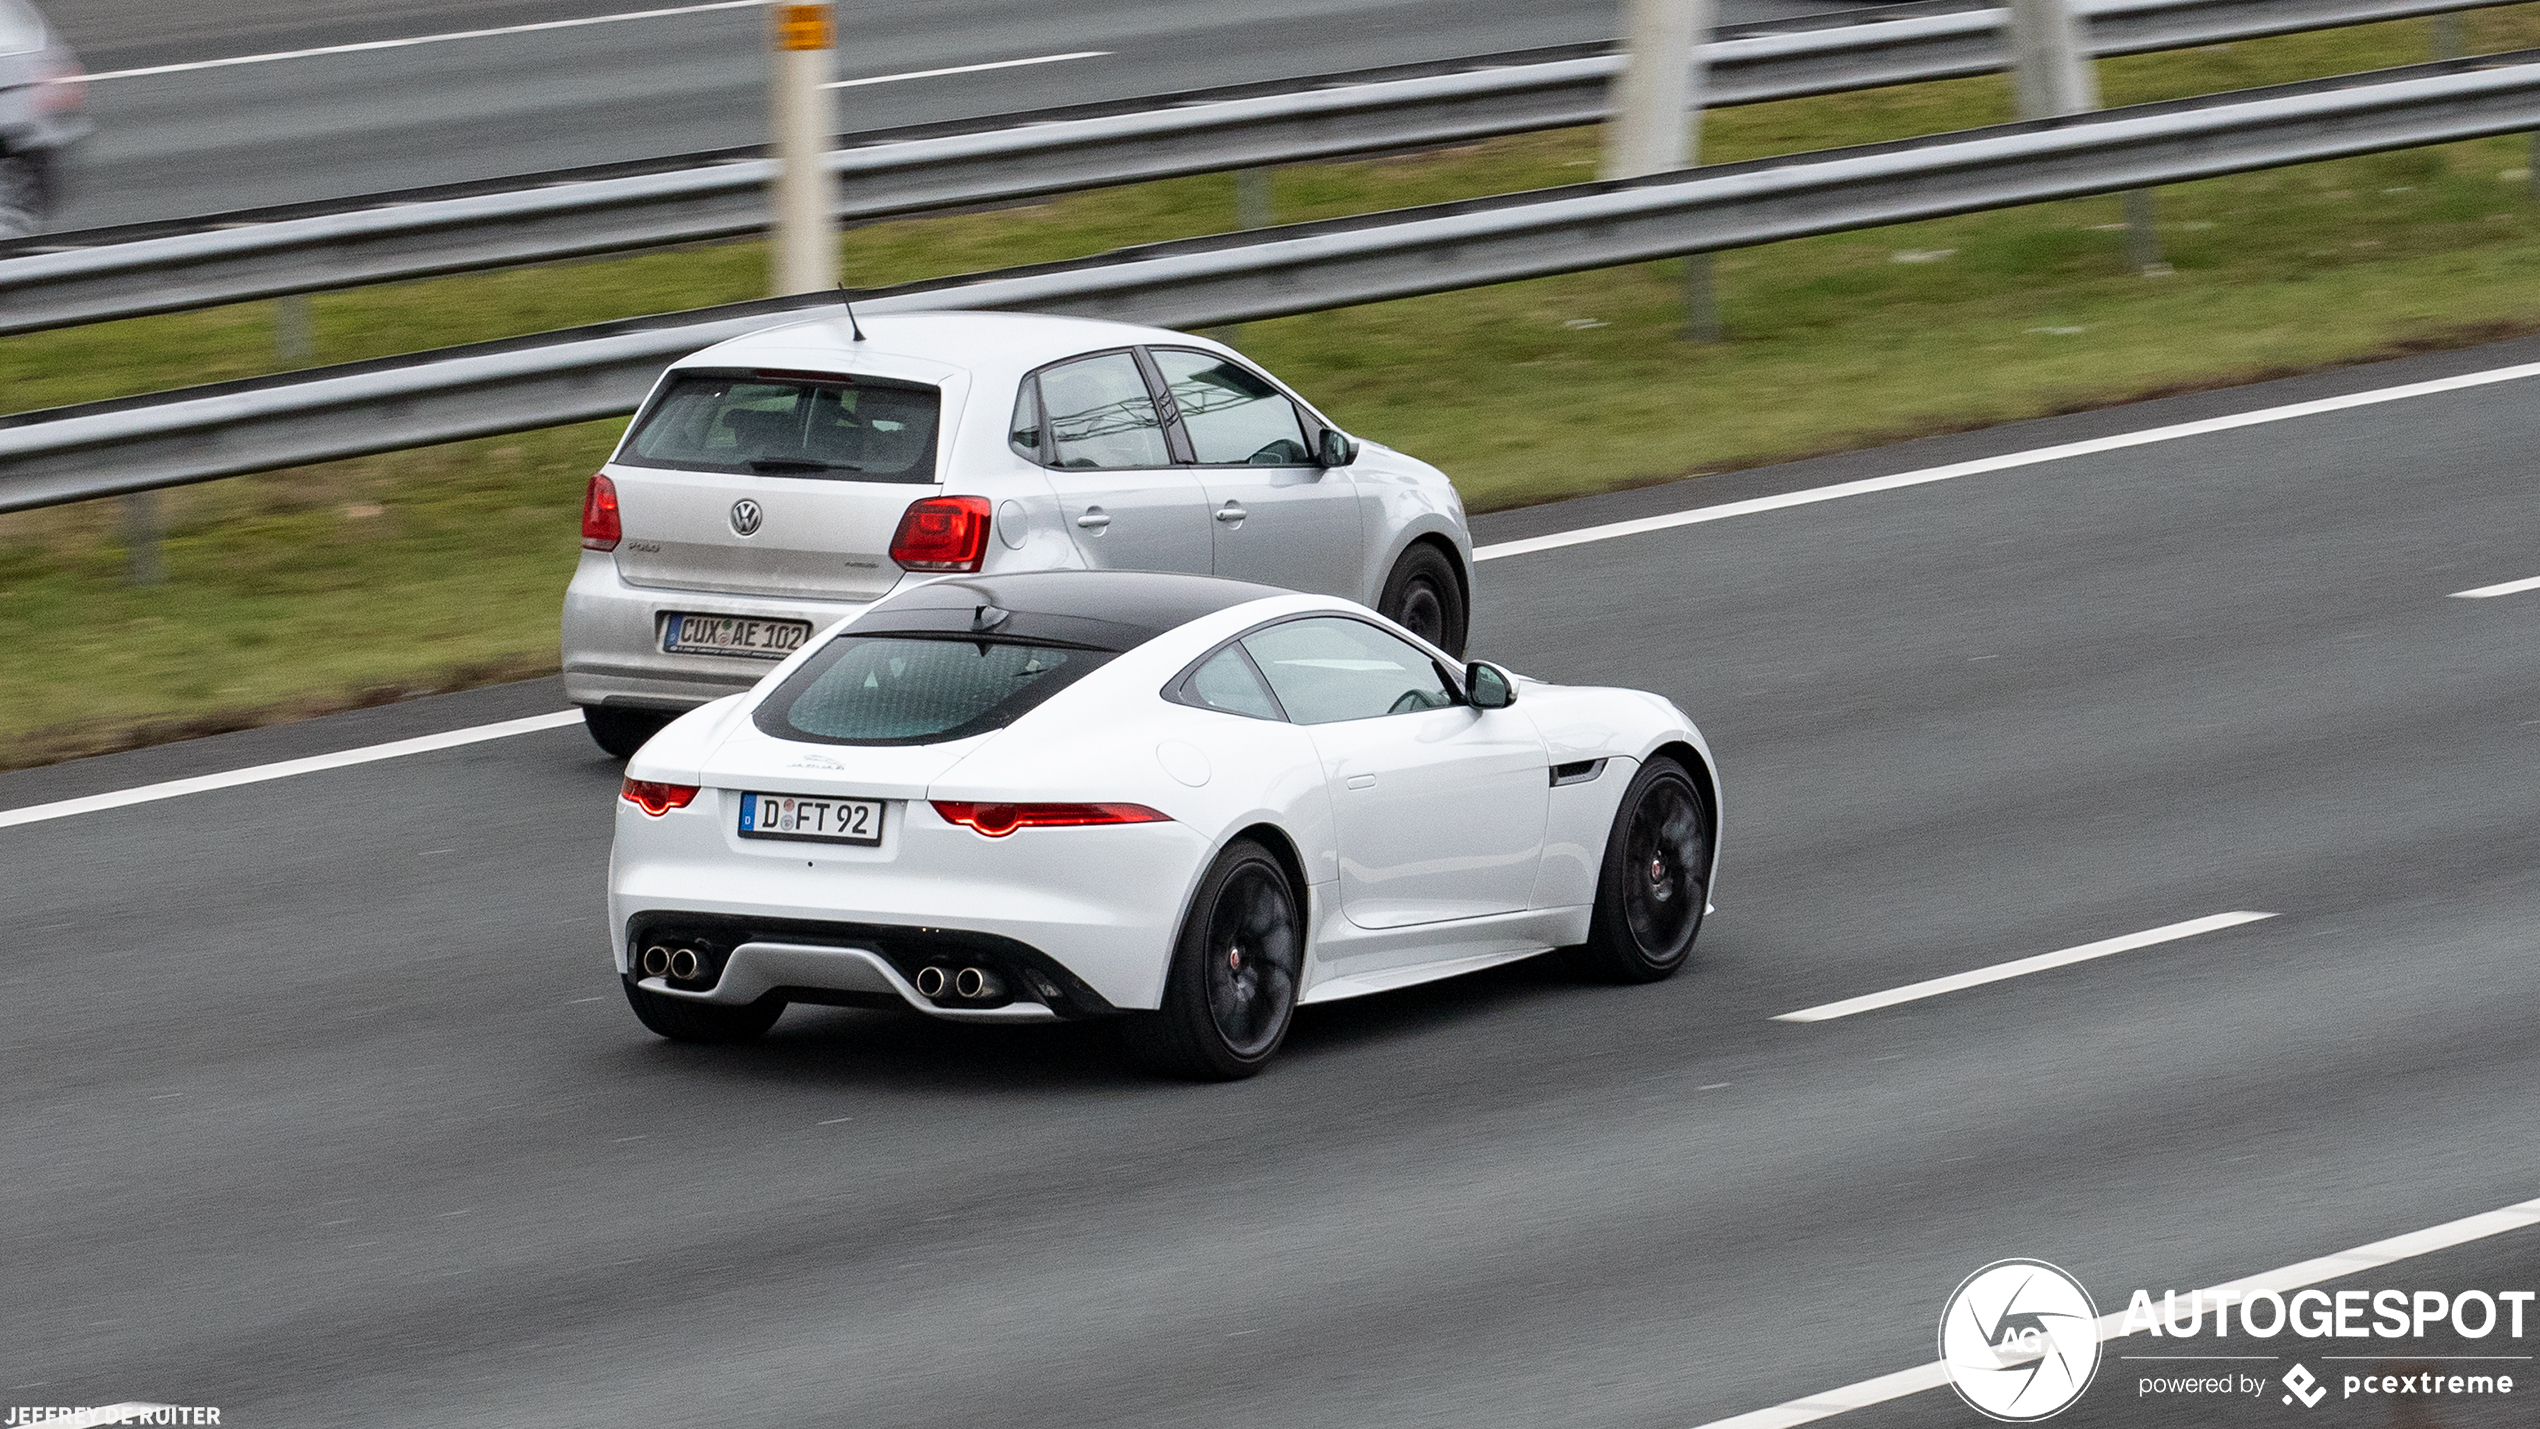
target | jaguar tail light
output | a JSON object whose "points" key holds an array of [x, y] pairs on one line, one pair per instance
{"points": [[656, 799], [998, 820], [600, 528], [942, 533]]}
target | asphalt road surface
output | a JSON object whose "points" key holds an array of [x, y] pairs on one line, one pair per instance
{"points": [[325, 1108], [320, 126]]}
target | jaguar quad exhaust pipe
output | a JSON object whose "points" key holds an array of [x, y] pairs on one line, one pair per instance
{"points": [[935, 982], [662, 960]]}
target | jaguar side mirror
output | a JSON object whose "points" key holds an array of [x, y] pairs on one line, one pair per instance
{"points": [[1488, 686], [1335, 449]]}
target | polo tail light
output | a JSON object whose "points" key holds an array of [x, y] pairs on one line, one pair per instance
{"points": [[656, 799], [64, 91], [942, 533], [600, 528], [998, 820]]}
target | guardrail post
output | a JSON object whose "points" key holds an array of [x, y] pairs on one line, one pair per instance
{"points": [[294, 329], [1252, 210], [1252, 198], [805, 259], [141, 538], [1656, 120], [2052, 76]]}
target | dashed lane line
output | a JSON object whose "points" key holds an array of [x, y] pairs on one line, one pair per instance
{"points": [[2018, 967]]}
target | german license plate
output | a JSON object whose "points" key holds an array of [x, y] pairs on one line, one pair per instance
{"points": [[732, 635], [790, 816]]}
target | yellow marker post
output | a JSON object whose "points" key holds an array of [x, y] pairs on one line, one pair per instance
{"points": [[805, 206]]}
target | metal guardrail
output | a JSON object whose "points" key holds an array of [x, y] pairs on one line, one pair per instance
{"points": [[141, 443], [241, 259]]}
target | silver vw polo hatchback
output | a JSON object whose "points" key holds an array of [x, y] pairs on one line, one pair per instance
{"points": [[776, 483]]}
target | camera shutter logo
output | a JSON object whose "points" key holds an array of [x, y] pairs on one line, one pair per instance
{"points": [[2020, 1339], [746, 517]]}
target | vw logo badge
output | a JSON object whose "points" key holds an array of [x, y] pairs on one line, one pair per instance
{"points": [[745, 517]]}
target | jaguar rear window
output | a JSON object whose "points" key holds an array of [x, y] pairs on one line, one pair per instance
{"points": [[783, 424], [916, 689]]}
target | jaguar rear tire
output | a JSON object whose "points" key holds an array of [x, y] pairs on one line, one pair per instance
{"points": [[1231, 990], [681, 1020]]}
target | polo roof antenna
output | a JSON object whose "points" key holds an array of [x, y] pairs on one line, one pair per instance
{"points": [[852, 325]]}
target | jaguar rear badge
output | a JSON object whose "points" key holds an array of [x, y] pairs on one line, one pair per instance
{"points": [[746, 517]]}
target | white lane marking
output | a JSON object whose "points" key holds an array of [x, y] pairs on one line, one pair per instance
{"points": [[967, 69], [2005, 462], [412, 40], [2169, 933], [2111, 1326], [2508, 588], [258, 774]]}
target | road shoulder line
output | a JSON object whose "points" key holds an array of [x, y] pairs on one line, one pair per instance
{"points": [[2007, 461], [285, 769]]}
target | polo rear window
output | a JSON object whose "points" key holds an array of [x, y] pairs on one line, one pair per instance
{"points": [[790, 424]]}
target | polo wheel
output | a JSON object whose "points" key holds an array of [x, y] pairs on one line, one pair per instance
{"points": [[1656, 879], [622, 731], [1424, 597], [1231, 990]]}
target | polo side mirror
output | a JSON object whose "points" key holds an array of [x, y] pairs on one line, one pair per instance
{"points": [[1334, 449]]}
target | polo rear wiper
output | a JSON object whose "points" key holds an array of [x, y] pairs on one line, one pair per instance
{"points": [[787, 463]]}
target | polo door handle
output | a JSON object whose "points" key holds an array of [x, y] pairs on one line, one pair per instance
{"points": [[1231, 514], [1094, 519]]}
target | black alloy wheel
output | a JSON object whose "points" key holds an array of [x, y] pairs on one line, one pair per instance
{"points": [[1424, 597], [1656, 879], [1231, 991], [622, 731]]}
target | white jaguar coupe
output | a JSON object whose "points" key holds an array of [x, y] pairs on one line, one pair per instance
{"points": [[1189, 803]]}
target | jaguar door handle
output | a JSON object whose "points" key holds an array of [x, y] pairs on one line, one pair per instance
{"points": [[1095, 519], [1231, 514], [1362, 781]]}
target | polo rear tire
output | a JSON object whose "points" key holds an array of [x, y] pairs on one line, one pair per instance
{"points": [[622, 731]]}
